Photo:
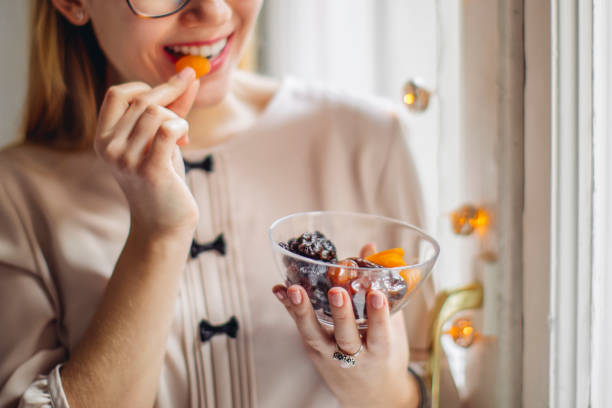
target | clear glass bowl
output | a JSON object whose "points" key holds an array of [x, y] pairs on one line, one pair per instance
{"points": [[350, 232]]}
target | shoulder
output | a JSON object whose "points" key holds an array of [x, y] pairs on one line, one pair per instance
{"points": [[292, 98], [254, 89], [36, 179], [347, 111], [25, 163]]}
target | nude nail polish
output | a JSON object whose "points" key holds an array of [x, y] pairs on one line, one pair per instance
{"points": [[376, 300], [336, 299], [295, 297]]}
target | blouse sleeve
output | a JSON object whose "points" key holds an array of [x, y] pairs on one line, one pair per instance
{"points": [[30, 349]]}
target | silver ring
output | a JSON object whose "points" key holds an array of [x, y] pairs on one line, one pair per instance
{"points": [[346, 359]]}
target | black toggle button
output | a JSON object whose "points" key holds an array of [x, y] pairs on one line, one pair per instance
{"points": [[217, 245], [208, 331], [207, 164]]}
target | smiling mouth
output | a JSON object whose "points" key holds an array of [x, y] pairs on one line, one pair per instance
{"points": [[209, 52]]}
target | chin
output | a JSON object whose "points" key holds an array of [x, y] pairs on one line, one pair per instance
{"points": [[211, 93]]}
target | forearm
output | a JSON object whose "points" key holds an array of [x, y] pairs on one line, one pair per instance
{"points": [[118, 361], [399, 392]]}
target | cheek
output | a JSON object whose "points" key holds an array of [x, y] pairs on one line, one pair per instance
{"points": [[247, 10], [131, 47]]}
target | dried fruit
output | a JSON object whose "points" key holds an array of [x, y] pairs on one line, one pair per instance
{"points": [[200, 65], [412, 277], [313, 245], [341, 276], [391, 284], [390, 258], [361, 284], [364, 263], [318, 279]]}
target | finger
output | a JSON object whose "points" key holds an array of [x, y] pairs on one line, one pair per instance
{"points": [[367, 250], [280, 291], [161, 95], [379, 323], [168, 92], [145, 129], [345, 328], [116, 102], [164, 142], [300, 309], [183, 104]]}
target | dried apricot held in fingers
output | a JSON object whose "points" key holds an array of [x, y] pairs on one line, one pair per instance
{"points": [[200, 65]]}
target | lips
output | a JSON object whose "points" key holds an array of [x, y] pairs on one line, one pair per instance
{"points": [[210, 50]]}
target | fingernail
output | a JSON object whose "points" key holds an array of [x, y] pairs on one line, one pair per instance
{"points": [[376, 300], [295, 296], [187, 73], [280, 295], [183, 141], [336, 299]]}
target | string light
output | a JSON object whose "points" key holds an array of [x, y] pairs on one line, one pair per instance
{"points": [[416, 97], [468, 219], [462, 332], [409, 99]]}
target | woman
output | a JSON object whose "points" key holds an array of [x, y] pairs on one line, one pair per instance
{"points": [[115, 298]]}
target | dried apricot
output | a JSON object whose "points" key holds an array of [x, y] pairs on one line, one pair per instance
{"points": [[412, 278], [390, 258], [200, 65]]}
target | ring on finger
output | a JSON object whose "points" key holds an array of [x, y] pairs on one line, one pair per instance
{"points": [[346, 359]]}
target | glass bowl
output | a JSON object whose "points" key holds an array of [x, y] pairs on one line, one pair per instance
{"points": [[349, 233]]}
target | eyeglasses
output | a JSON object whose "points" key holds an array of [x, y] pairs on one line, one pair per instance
{"points": [[156, 8]]}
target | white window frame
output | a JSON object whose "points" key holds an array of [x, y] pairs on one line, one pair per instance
{"points": [[601, 356], [567, 357], [571, 203]]}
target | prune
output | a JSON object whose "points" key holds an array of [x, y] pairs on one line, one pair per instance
{"points": [[313, 245], [364, 263], [313, 278]]}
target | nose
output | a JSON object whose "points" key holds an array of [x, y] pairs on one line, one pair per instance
{"points": [[206, 11]]}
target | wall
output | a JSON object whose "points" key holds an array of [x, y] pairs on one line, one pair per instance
{"points": [[13, 48]]}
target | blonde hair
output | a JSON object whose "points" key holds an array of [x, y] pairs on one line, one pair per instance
{"points": [[66, 81]]}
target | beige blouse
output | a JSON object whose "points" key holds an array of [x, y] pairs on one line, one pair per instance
{"points": [[64, 220]]}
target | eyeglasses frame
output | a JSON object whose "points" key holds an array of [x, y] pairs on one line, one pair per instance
{"points": [[129, 2]]}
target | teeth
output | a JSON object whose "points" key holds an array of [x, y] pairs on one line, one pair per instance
{"points": [[206, 51], [216, 48]]}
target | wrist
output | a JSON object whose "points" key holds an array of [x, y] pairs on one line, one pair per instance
{"points": [[404, 393], [408, 394], [419, 386], [414, 397], [164, 242], [145, 230]]}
